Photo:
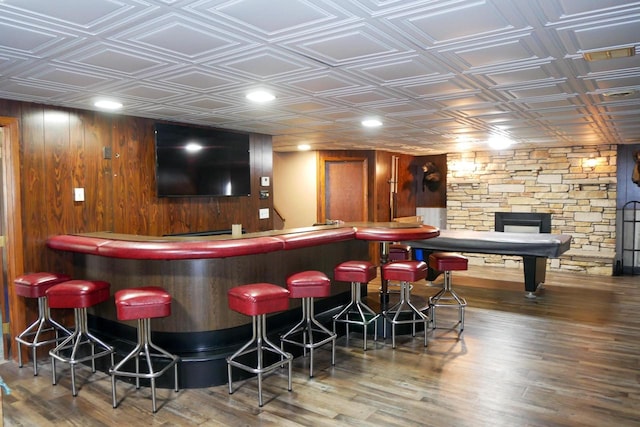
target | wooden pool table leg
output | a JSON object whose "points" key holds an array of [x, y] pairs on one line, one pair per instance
{"points": [[535, 269]]}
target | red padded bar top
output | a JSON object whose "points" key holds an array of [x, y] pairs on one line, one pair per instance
{"points": [[166, 248], [75, 243], [381, 234], [190, 249], [314, 238]]}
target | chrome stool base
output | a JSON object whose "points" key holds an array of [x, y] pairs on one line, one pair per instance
{"points": [[142, 348], [447, 297], [401, 308], [306, 329], [361, 311], [258, 344], [81, 337], [30, 337]]}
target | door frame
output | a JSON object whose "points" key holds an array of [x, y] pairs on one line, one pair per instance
{"points": [[322, 197], [12, 225]]}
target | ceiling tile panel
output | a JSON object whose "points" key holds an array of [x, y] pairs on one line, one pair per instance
{"points": [[354, 44], [267, 17], [114, 59], [433, 71], [31, 41]]}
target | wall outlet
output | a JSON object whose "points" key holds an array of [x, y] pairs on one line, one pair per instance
{"points": [[263, 213]]}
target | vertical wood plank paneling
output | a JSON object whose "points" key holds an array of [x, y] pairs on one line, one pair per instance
{"points": [[263, 162], [58, 172], [382, 187], [79, 166], [34, 204], [121, 223], [97, 136]]}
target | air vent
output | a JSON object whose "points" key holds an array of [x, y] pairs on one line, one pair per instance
{"points": [[609, 54], [619, 94]]}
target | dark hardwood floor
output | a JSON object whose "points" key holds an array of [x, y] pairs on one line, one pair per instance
{"points": [[571, 357]]}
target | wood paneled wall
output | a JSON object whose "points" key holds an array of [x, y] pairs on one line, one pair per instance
{"points": [[61, 149]]}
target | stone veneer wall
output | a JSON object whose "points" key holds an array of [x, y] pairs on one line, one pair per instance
{"points": [[577, 185]]}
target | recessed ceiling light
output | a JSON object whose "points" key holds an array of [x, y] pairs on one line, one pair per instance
{"points": [[600, 55], [499, 142], [260, 96], [108, 104], [371, 123], [304, 147]]}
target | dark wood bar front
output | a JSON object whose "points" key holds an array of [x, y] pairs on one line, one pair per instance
{"points": [[198, 272]]}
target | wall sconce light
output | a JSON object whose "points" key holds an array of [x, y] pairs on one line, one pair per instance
{"points": [[591, 162]]}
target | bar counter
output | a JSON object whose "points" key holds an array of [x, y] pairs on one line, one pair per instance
{"points": [[199, 270]]}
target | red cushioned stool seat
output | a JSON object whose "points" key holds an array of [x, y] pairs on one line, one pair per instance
{"points": [[35, 285], [309, 284], [79, 295], [257, 300], [356, 312], [446, 261], [309, 333], [447, 297], [404, 311], [143, 304], [399, 252], [355, 271], [405, 271]]}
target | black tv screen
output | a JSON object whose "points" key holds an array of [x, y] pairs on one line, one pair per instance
{"points": [[193, 161]]}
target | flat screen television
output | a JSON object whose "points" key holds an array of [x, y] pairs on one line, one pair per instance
{"points": [[199, 162]]}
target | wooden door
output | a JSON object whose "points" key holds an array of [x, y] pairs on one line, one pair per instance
{"points": [[344, 190]]}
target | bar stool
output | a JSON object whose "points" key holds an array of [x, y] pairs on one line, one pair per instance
{"points": [[78, 294], [405, 272], [447, 297], [399, 252], [257, 300], [309, 285], [35, 285], [358, 273], [143, 304]]}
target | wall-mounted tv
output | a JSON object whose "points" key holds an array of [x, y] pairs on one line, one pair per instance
{"points": [[192, 161]]}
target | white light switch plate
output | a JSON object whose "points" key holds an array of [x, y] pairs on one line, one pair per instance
{"points": [[264, 181], [263, 213], [78, 194]]}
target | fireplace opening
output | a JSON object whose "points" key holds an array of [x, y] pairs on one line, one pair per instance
{"points": [[523, 222]]}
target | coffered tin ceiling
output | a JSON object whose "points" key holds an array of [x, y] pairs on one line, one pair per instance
{"points": [[436, 72]]}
